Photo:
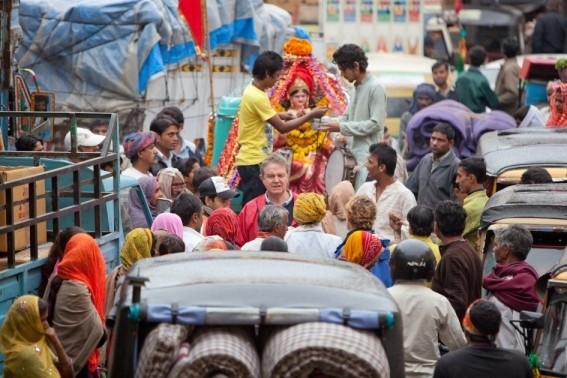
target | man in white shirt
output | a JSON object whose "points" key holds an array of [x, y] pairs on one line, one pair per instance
{"points": [[389, 194], [272, 221], [427, 316], [190, 209], [139, 147]]}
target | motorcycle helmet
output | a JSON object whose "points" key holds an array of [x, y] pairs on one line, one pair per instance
{"points": [[412, 260]]}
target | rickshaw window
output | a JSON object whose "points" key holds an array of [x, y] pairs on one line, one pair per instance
{"points": [[553, 350]]}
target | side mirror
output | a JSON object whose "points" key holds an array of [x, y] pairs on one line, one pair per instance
{"points": [[532, 320]]}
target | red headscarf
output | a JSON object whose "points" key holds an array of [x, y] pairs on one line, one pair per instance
{"points": [[222, 222], [83, 261]]}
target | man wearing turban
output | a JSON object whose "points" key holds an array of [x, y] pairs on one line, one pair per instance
{"points": [[139, 147], [308, 238]]}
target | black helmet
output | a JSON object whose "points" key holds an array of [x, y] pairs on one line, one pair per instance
{"points": [[412, 260]]}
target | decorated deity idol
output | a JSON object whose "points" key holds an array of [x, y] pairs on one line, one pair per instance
{"points": [[306, 85]]}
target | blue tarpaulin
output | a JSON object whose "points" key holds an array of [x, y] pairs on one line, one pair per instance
{"points": [[106, 52]]}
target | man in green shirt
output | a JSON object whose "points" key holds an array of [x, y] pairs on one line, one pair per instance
{"points": [[471, 175], [364, 120], [472, 87]]}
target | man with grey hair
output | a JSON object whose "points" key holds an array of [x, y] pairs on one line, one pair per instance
{"points": [[274, 173], [272, 221], [510, 284]]}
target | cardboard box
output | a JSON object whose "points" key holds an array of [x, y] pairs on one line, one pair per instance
{"points": [[21, 211]]}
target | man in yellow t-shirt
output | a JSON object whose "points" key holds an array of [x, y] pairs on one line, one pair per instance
{"points": [[255, 117]]}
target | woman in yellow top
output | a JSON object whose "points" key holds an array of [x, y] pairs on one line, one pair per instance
{"points": [[24, 340]]}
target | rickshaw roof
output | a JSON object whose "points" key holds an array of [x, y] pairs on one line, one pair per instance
{"points": [[521, 148], [259, 280], [526, 201]]}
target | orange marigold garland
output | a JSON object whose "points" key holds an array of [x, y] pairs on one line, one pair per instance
{"points": [[210, 138], [297, 47], [226, 166]]}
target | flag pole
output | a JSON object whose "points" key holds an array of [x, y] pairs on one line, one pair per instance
{"points": [[208, 53]]}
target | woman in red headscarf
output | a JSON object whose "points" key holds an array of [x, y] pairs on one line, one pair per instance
{"points": [[77, 297]]}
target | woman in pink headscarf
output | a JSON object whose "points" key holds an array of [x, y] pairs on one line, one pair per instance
{"points": [[168, 222]]}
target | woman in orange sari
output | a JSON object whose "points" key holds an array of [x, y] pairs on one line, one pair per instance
{"points": [[77, 299]]}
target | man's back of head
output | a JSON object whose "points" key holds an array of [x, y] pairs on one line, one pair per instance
{"points": [[420, 219], [482, 322], [477, 56], [510, 47], [450, 218], [187, 206], [536, 175]]}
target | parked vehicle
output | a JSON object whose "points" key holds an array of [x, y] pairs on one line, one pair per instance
{"points": [[508, 153], [66, 194], [539, 207], [257, 289]]}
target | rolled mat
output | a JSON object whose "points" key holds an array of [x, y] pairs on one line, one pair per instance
{"points": [[329, 349], [219, 351]]}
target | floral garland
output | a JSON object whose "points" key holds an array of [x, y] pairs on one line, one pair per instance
{"points": [[304, 140], [226, 165], [297, 47], [210, 138]]}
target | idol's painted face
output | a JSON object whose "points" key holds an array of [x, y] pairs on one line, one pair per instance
{"points": [[299, 100]]}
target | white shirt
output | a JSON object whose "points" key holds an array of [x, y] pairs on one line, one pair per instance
{"points": [[191, 238], [133, 172], [427, 317], [396, 199], [253, 245], [312, 241]]}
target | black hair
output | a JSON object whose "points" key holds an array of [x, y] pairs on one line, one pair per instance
{"points": [[185, 165], [477, 55], [450, 218], [97, 122], [348, 54], [27, 142], [267, 64], [173, 112], [161, 123], [536, 175], [186, 205], [476, 167], [385, 155], [510, 47], [170, 243], [420, 219], [201, 175], [439, 64], [486, 317], [522, 112], [273, 243], [445, 128]]}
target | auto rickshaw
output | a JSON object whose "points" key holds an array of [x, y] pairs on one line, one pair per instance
{"points": [[508, 153], [551, 341], [542, 208], [258, 291]]}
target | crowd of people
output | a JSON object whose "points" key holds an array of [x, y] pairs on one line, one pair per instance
{"points": [[418, 237]]}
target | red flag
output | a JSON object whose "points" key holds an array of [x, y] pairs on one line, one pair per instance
{"points": [[458, 6], [192, 11]]}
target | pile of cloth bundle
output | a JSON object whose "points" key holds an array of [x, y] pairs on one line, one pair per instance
{"points": [[307, 349], [468, 126]]}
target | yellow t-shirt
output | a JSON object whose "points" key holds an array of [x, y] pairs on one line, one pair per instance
{"points": [[254, 134]]}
